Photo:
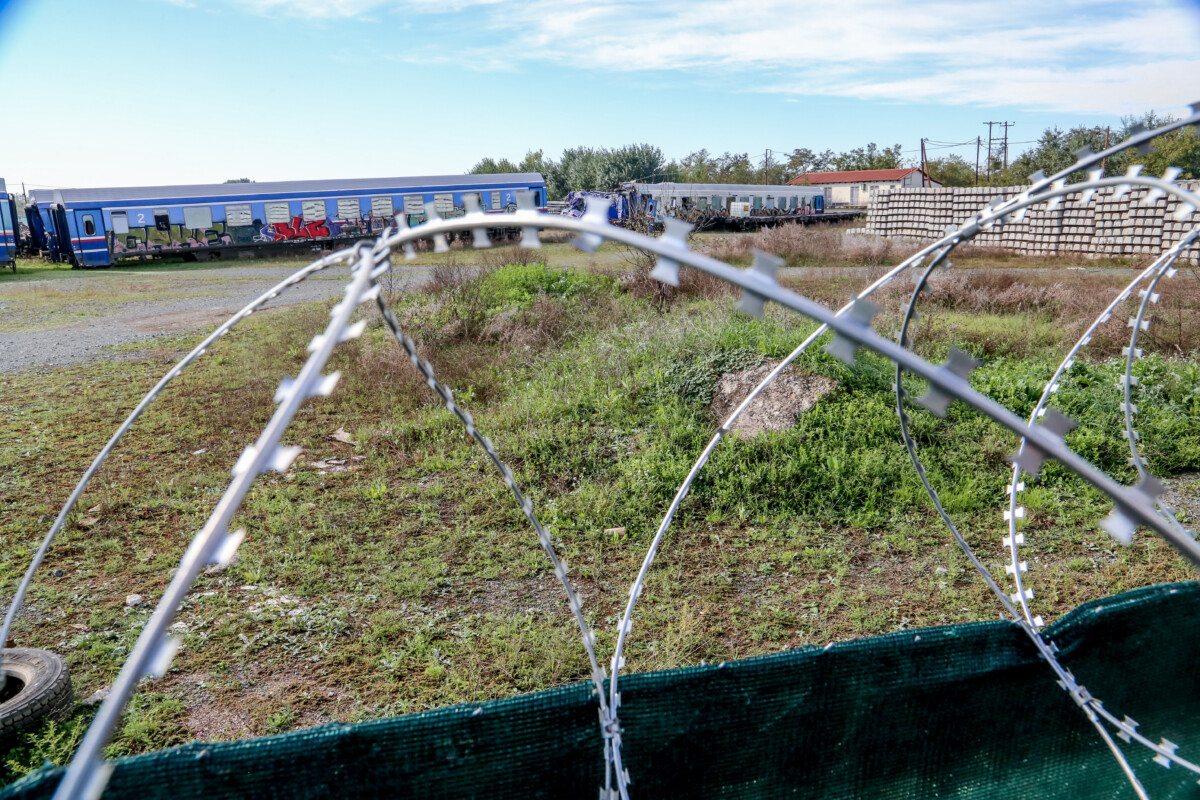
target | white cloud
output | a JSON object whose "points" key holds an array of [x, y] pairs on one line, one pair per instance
{"points": [[1093, 56]]}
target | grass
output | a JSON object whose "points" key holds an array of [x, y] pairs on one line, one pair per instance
{"points": [[393, 573]]}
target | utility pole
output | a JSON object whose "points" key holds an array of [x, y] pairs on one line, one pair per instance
{"points": [[924, 161], [989, 150], [977, 145]]}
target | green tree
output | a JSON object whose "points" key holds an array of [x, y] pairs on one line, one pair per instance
{"points": [[1056, 150], [633, 162], [492, 166], [735, 168], [698, 167], [802, 160], [951, 170], [869, 157], [1180, 148]]}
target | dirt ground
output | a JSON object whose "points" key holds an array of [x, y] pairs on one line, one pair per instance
{"points": [[54, 319]]}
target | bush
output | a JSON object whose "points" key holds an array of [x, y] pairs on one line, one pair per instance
{"points": [[521, 284]]}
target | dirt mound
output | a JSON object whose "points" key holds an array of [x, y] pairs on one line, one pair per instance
{"points": [[776, 409]]}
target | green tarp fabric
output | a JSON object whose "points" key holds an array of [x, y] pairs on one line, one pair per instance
{"points": [[963, 711]]}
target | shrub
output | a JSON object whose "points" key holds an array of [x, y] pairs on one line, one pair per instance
{"points": [[521, 284]]}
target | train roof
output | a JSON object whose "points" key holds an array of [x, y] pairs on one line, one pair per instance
{"points": [[722, 188], [281, 188]]}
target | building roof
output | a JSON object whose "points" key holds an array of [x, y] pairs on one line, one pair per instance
{"points": [[854, 176], [282, 189]]}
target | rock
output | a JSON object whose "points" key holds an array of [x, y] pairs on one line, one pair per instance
{"points": [[134, 600], [615, 531], [776, 409], [96, 697], [940, 571]]}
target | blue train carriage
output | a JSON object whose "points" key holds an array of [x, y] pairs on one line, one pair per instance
{"points": [[10, 232], [96, 227]]}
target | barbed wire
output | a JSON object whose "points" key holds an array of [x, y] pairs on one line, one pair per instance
{"points": [[1017, 603], [561, 570], [1139, 323], [1047, 189], [851, 326]]}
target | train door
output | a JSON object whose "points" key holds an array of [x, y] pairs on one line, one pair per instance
{"points": [[60, 245], [37, 231], [90, 238], [818, 204], [8, 228]]}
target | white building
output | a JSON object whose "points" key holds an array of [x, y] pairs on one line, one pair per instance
{"points": [[855, 188]]}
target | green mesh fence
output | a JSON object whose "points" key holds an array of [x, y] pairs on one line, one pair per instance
{"points": [[958, 711]]}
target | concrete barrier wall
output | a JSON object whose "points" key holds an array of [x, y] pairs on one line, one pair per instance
{"points": [[1103, 227]]}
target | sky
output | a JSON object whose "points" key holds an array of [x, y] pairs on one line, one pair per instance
{"points": [[143, 92]]}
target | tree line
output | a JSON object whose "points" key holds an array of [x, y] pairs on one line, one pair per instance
{"points": [[599, 168], [1055, 150]]}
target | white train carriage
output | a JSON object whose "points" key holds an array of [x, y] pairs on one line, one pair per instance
{"points": [[726, 197]]}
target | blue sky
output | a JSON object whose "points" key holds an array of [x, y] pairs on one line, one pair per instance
{"points": [[119, 92]]}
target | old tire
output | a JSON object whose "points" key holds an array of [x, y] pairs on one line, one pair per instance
{"points": [[36, 684]]}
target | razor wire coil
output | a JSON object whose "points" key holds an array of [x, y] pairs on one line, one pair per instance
{"points": [[851, 328]]}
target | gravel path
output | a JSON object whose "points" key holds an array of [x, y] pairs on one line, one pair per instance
{"points": [[67, 319]]}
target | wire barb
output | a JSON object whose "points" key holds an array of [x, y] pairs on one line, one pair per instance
{"points": [[959, 365], [860, 316]]}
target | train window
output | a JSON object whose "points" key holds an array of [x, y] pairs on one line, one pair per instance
{"points": [[120, 222], [89, 225], [197, 217], [443, 202], [349, 208], [702, 203], [382, 207], [495, 200], [312, 210], [239, 216], [414, 204], [162, 220], [278, 213], [758, 203], [716, 201]]}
